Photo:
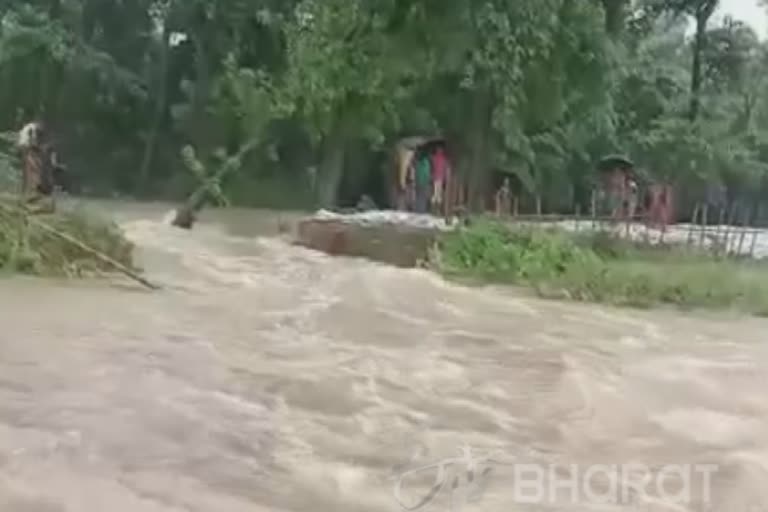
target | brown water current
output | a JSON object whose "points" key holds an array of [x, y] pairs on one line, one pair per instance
{"points": [[266, 377]]}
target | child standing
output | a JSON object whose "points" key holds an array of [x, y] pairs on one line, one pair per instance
{"points": [[423, 182]]}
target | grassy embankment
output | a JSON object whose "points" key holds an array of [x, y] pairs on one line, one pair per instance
{"points": [[37, 244], [29, 247], [597, 267]]}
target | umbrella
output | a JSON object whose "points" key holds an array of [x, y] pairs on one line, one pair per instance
{"points": [[421, 142], [611, 162]]}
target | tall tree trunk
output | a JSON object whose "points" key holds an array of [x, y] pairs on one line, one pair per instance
{"points": [[201, 91], [748, 105], [159, 114], [698, 47], [615, 17], [479, 131], [331, 168], [703, 13]]}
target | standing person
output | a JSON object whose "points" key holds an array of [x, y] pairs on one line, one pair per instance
{"points": [[439, 174], [39, 163], [410, 190], [404, 171], [28, 136], [617, 195], [504, 199], [423, 182], [633, 199], [52, 169], [32, 164], [449, 188]]}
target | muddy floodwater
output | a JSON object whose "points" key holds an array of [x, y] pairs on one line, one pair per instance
{"points": [[266, 377]]}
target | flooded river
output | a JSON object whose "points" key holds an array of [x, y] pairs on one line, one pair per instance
{"points": [[266, 377]]}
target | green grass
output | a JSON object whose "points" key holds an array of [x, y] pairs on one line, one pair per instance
{"points": [[28, 249], [598, 267]]}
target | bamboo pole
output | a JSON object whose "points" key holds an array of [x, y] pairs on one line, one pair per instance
{"points": [[729, 228], [753, 246], [744, 221], [719, 231], [103, 257], [704, 225]]}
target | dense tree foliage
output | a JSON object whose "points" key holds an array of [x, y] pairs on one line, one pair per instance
{"points": [[318, 91]]}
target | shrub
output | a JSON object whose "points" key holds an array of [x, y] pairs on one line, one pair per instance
{"points": [[598, 267], [26, 247]]}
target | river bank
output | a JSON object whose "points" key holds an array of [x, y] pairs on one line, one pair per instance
{"points": [[555, 260], [599, 267]]}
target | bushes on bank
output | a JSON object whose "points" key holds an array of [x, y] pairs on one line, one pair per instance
{"points": [[25, 247], [492, 251], [599, 267]]}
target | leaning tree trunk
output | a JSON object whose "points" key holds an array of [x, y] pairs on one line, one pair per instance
{"points": [[186, 214]]}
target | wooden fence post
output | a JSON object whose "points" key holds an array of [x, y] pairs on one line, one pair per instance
{"points": [[694, 219], [703, 226]]}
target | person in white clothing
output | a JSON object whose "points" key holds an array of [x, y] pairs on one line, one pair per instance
{"points": [[29, 135]]}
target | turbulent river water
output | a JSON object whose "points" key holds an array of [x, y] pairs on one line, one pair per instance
{"points": [[269, 377]]}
